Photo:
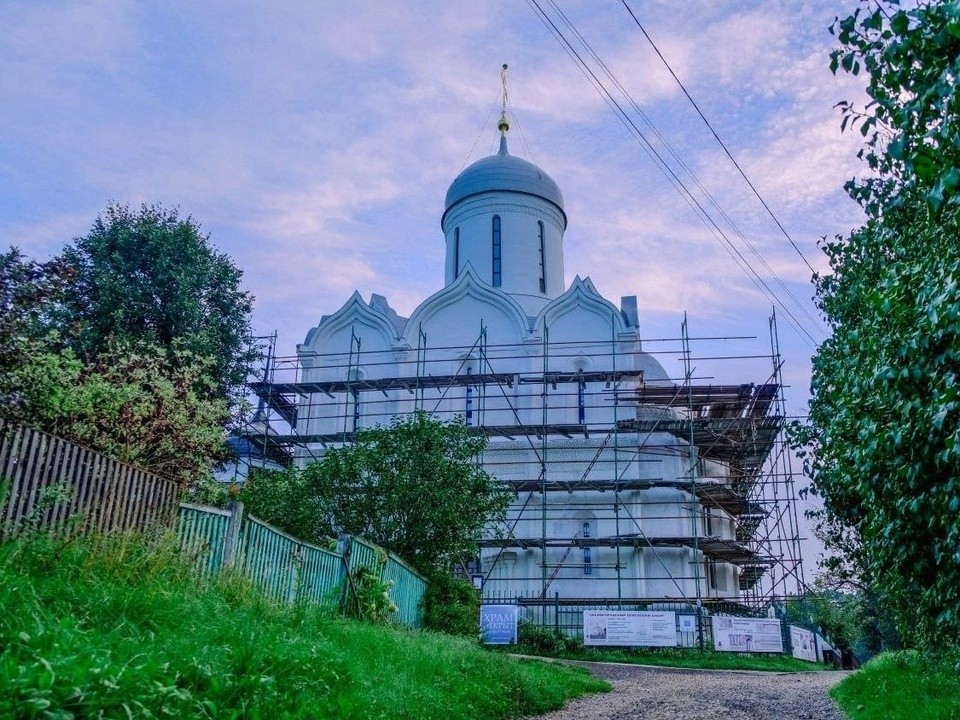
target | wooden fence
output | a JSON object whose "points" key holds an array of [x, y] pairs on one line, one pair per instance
{"points": [[48, 482], [289, 570]]}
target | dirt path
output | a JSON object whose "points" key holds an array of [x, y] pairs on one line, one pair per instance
{"points": [[642, 693]]}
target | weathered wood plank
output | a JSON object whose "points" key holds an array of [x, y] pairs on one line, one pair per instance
{"points": [[28, 476], [11, 473], [104, 494]]}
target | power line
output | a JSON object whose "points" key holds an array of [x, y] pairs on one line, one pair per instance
{"points": [[679, 160], [717, 137], [669, 173]]}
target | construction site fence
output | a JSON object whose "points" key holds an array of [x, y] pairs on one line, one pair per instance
{"points": [[565, 616], [289, 570]]}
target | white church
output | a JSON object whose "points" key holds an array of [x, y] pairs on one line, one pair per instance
{"points": [[630, 484]]}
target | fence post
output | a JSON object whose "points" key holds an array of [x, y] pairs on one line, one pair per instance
{"points": [[231, 540], [293, 576], [699, 623], [344, 543]]}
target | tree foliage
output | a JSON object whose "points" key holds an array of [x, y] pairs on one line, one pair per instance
{"points": [[133, 342], [130, 404], [850, 620], [284, 499], [883, 440], [911, 123], [151, 277], [415, 488], [28, 292]]}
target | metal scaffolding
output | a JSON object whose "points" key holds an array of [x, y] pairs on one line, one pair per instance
{"points": [[579, 443]]}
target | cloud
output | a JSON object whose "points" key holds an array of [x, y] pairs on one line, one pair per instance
{"points": [[315, 142]]}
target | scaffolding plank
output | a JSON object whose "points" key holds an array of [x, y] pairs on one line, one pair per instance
{"points": [[431, 382], [714, 401], [283, 404], [744, 442], [750, 575], [716, 548]]}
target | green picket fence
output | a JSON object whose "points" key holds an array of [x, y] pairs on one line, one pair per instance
{"points": [[289, 570], [406, 591], [202, 532]]}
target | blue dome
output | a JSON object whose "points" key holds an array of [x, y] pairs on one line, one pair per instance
{"points": [[503, 172]]}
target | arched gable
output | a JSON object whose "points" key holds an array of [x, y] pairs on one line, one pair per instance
{"points": [[333, 333], [580, 314], [453, 315]]}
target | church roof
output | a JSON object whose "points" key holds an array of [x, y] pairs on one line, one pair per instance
{"points": [[503, 172]]}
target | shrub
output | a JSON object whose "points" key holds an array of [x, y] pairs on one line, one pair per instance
{"points": [[370, 597], [452, 605], [547, 641]]}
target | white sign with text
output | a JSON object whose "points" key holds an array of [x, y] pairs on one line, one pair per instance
{"points": [[804, 647], [736, 634], [651, 628]]}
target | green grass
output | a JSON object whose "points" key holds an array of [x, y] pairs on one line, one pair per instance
{"points": [[670, 657], [546, 642], [122, 628], [904, 684]]}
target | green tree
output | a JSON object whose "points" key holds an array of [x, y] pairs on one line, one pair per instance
{"points": [[415, 488], [133, 405], [883, 440], [283, 498], [154, 394], [151, 277], [28, 293]]}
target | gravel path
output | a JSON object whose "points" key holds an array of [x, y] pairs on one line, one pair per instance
{"points": [[643, 693]]}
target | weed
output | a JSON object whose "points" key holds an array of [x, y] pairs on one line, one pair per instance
{"points": [[905, 684], [122, 626]]}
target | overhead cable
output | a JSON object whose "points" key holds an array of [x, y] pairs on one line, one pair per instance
{"points": [[686, 169], [624, 117], [717, 137]]}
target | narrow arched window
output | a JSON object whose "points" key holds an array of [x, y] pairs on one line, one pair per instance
{"points": [[581, 401], [468, 409], [456, 253], [497, 252], [587, 555], [543, 260]]}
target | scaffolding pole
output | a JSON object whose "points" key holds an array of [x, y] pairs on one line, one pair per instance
{"points": [[585, 419]]}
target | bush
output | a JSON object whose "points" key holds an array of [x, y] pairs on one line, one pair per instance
{"points": [[540, 640], [370, 597], [452, 605]]}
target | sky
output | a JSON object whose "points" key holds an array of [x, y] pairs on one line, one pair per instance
{"points": [[314, 141]]}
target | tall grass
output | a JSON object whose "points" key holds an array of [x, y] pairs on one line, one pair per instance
{"points": [[122, 627], [904, 685]]}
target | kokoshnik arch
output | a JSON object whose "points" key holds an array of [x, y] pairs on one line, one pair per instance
{"points": [[630, 485]]}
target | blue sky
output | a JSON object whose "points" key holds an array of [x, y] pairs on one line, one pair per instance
{"points": [[315, 141]]}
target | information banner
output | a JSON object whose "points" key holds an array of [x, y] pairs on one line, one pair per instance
{"points": [[498, 624], [736, 634], [624, 628], [803, 644]]}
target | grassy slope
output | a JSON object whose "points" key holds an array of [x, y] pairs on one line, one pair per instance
{"points": [[669, 657], [901, 685], [116, 628]]}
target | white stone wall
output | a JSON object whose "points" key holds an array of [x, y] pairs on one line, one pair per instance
{"points": [[520, 244], [579, 330]]}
